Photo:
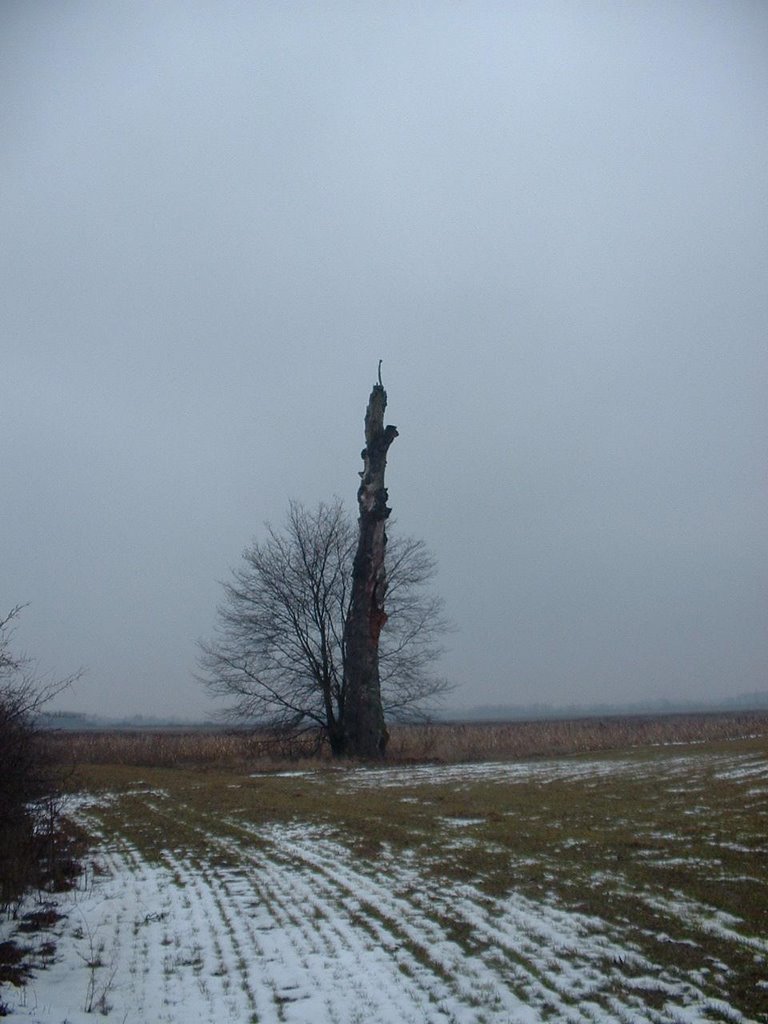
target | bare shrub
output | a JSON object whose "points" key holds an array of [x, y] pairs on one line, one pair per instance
{"points": [[28, 810]]}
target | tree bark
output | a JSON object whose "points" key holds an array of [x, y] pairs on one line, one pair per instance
{"points": [[366, 731]]}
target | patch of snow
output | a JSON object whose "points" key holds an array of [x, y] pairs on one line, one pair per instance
{"points": [[297, 928], [284, 775]]}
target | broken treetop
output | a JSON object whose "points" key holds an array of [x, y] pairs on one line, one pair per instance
{"points": [[378, 438]]}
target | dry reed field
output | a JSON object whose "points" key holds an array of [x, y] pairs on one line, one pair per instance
{"points": [[440, 742]]}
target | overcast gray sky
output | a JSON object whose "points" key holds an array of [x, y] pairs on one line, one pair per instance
{"points": [[549, 219]]}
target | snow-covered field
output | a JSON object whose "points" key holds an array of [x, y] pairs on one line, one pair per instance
{"points": [[284, 920]]}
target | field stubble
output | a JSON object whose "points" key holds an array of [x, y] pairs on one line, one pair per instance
{"points": [[602, 887]]}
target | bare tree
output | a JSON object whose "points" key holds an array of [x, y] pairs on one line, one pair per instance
{"points": [[279, 653]]}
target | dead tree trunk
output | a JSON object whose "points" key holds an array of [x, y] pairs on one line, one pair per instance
{"points": [[365, 729]]}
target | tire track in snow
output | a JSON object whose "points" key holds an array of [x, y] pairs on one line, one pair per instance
{"points": [[431, 969], [400, 988], [311, 938], [509, 981], [325, 909], [164, 941], [281, 959], [223, 955], [450, 973], [301, 930], [537, 960], [391, 959]]}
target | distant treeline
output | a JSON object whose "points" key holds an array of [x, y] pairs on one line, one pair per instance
{"points": [[534, 712], [757, 701], [72, 721]]}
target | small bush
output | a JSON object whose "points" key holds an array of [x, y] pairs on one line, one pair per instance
{"points": [[29, 817]]}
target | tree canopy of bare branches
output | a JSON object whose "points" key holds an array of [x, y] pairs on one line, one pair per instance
{"points": [[278, 656]]}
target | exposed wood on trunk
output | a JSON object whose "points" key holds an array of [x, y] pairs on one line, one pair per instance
{"points": [[366, 732]]}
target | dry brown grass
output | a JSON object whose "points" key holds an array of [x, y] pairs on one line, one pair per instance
{"points": [[172, 748], [457, 742], [442, 742]]}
